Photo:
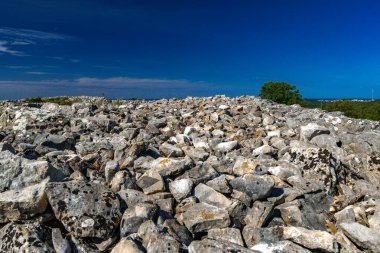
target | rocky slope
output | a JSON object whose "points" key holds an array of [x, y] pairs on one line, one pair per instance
{"points": [[196, 175]]}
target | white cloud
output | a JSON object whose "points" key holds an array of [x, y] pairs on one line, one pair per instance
{"points": [[37, 73], [14, 37], [108, 83], [4, 48], [32, 34], [115, 87], [128, 82]]}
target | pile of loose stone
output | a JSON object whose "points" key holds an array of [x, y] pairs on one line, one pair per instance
{"points": [[212, 174]]}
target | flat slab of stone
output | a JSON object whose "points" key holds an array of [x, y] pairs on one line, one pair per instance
{"points": [[231, 235], [361, 235], [311, 239], [311, 130], [17, 172], [213, 246], [279, 247], [85, 209], [256, 187], [201, 217], [208, 195], [24, 203]]}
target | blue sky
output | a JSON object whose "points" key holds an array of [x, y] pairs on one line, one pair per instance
{"points": [[152, 49]]}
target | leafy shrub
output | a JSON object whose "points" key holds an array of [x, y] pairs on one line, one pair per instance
{"points": [[281, 92]]}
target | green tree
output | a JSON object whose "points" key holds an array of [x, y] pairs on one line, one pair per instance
{"points": [[280, 92]]}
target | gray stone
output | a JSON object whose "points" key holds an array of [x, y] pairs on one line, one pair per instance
{"points": [[122, 180], [311, 239], [200, 174], [24, 203], [231, 235], [178, 231], [220, 184], [285, 170], [374, 221], [181, 188], [17, 172], [130, 197], [163, 244], [291, 214], [112, 167], [212, 246], [85, 209], [61, 245], [127, 246], [197, 154], [256, 187], [279, 247], [170, 166], [46, 143], [244, 166], [169, 150], [255, 235], [263, 150], [27, 237], [311, 130], [324, 141], [151, 182], [201, 217], [362, 236], [226, 146], [346, 215], [208, 195], [148, 231], [134, 216], [258, 214]]}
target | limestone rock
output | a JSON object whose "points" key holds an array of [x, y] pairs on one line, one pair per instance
{"points": [[363, 236], [17, 172], [27, 237], [24, 203], [311, 239], [256, 187], [231, 235], [201, 217], [151, 182], [311, 130], [61, 245], [226, 146], [134, 216], [181, 188], [212, 246], [85, 209], [279, 247], [208, 195], [126, 246]]}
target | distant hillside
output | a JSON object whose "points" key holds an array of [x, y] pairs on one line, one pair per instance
{"points": [[351, 108]]}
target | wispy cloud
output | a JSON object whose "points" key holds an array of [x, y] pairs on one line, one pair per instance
{"points": [[56, 58], [11, 38], [107, 83], [32, 34], [126, 87], [128, 82], [4, 48], [36, 73]]}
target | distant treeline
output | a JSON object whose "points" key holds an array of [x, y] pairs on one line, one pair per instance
{"points": [[354, 109]]}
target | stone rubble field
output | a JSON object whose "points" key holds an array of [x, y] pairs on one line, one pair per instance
{"points": [[197, 175]]}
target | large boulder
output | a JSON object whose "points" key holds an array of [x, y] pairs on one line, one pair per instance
{"points": [[85, 209], [24, 203], [17, 172], [28, 237]]}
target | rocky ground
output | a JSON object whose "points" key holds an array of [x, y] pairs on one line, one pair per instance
{"points": [[196, 175]]}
